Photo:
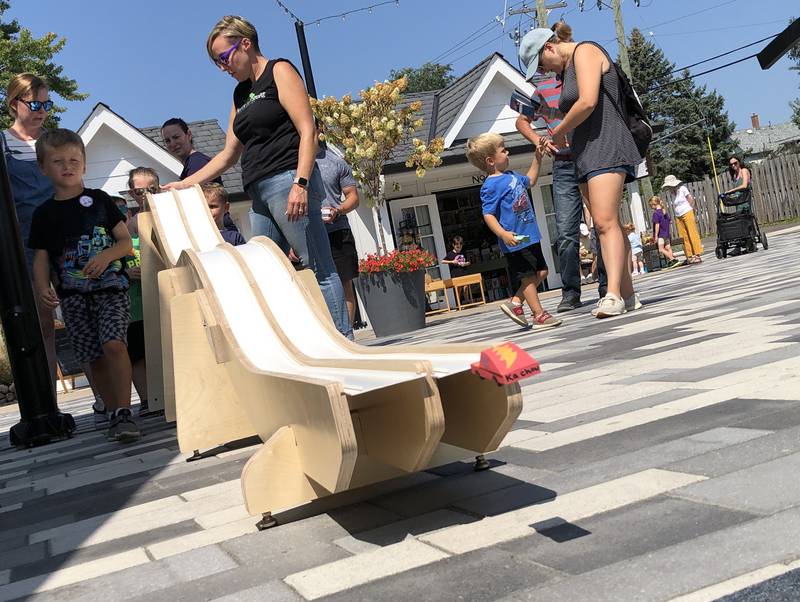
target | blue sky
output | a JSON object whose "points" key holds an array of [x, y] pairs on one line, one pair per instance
{"points": [[147, 59]]}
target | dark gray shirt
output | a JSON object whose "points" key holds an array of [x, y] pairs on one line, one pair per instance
{"points": [[603, 139], [336, 175]]}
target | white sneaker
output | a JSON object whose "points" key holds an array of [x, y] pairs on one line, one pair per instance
{"points": [[610, 306], [633, 303], [597, 306]]}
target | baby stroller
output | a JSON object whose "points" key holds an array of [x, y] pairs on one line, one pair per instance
{"points": [[737, 226]]}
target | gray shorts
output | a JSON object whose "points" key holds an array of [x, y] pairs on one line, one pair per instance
{"points": [[94, 319]]}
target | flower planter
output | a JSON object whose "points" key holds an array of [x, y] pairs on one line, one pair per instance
{"points": [[395, 301]]}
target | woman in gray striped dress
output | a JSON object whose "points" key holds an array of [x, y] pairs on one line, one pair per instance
{"points": [[603, 147]]}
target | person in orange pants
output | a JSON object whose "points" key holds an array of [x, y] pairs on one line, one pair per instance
{"points": [[683, 205]]}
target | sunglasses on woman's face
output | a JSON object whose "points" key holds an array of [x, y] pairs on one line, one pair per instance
{"points": [[223, 60], [734, 163], [37, 105]]}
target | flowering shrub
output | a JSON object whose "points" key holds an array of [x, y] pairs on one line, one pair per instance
{"points": [[396, 261], [370, 129]]}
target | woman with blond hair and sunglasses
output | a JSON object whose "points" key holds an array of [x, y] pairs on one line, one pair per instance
{"points": [[28, 102], [272, 129]]}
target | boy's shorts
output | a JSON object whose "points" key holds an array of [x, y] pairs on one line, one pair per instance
{"points": [[95, 319], [525, 262]]}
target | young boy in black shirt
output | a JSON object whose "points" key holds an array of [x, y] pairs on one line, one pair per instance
{"points": [[80, 237]]}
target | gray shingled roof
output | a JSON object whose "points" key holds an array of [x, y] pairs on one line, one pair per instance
{"points": [[209, 138], [769, 138], [439, 110]]}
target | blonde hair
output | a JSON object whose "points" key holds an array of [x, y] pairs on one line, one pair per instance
{"points": [[232, 26], [217, 191], [22, 85], [654, 200], [481, 147], [57, 138], [629, 227], [563, 31]]}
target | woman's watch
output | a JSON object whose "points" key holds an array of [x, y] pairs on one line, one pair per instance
{"points": [[301, 182]]}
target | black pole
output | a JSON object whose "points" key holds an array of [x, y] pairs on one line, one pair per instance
{"points": [[309, 75], [40, 421]]}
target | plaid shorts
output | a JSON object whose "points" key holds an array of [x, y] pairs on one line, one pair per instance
{"points": [[95, 319]]}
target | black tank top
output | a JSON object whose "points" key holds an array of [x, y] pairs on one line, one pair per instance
{"points": [[262, 125]]}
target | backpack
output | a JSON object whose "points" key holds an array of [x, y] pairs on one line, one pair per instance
{"points": [[634, 115]]}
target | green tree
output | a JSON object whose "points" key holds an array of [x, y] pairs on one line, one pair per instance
{"points": [[21, 52], [794, 54], [689, 113], [430, 76]]}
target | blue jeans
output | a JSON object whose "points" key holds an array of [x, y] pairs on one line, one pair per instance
{"points": [[307, 236], [569, 210]]}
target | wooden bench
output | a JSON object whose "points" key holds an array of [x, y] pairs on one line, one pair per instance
{"points": [[461, 281], [247, 347]]}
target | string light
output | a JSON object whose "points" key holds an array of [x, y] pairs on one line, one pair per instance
{"points": [[287, 11], [342, 16]]}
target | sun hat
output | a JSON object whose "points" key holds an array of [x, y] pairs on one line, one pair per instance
{"points": [[531, 46], [670, 182]]}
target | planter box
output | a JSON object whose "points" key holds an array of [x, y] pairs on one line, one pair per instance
{"points": [[395, 302]]}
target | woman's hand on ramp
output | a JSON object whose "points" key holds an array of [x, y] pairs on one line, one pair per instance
{"points": [[175, 186]]}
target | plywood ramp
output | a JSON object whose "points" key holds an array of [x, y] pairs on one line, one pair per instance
{"points": [[240, 343]]}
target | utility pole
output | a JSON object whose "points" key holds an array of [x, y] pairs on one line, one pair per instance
{"points": [[623, 47], [541, 11], [645, 185]]}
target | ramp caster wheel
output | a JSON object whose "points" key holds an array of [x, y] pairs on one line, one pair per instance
{"points": [[267, 522], [481, 463]]}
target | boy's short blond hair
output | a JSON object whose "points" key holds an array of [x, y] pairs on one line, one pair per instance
{"points": [[216, 191], [629, 227], [481, 147], [57, 138]]}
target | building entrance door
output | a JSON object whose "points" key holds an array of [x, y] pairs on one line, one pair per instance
{"points": [[423, 211]]}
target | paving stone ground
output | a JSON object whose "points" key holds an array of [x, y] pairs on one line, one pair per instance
{"points": [[655, 459]]}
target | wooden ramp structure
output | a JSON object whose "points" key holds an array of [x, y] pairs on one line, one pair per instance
{"points": [[239, 343]]}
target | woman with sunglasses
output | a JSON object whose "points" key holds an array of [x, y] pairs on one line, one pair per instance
{"points": [[272, 128], [740, 174], [602, 146], [28, 102]]}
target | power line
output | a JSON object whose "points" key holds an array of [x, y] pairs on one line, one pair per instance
{"points": [[724, 53], [355, 10], [481, 31], [478, 48], [695, 31], [678, 81], [691, 14]]}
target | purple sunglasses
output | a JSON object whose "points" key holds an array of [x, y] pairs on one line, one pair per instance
{"points": [[223, 59]]}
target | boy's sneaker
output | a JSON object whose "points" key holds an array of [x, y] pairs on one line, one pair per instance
{"points": [[123, 428], [545, 320], [515, 312], [568, 303], [610, 306], [100, 415], [633, 303]]}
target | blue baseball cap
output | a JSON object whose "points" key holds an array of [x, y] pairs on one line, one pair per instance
{"points": [[530, 47]]}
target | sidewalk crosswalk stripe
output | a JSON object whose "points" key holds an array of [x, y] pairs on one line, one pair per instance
{"points": [[392, 559], [572, 506], [730, 586]]}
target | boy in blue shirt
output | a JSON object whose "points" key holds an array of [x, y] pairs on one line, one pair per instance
{"points": [[508, 212]]}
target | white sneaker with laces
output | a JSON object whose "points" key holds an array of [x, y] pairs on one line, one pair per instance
{"points": [[610, 306]]}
